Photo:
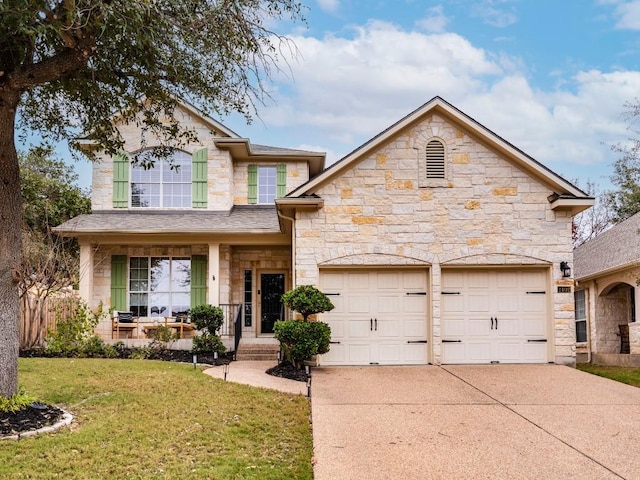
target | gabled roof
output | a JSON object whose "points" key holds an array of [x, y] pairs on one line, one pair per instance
{"points": [[564, 189], [615, 249]]}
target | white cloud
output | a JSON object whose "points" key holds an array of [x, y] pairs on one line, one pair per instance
{"points": [[435, 21], [345, 90], [627, 15], [329, 5], [496, 13]]}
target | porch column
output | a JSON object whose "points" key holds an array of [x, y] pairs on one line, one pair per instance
{"points": [[214, 274], [86, 273]]}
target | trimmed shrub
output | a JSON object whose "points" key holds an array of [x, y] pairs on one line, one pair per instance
{"points": [[307, 300], [300, 340], [207, 317]]}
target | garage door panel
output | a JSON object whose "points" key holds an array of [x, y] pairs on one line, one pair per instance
{"points": [[337, 328], [388, 304], [415, 329], [358, 281], [359, 353], [371, 295], [414, 304], [336, 354], [359, 303], [534, 303], [478, 280], [358, 327], [507, 303], [478, 327], [508, 327], [388, 280], [479, 352], [454, 327], [516, 298], [534, 328], [509, 352], [534, 352], [388, 329], [453, 303]]}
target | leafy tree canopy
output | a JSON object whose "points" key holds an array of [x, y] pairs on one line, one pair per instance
{"points": [[70, 66], [625, 201], [50, 191]]}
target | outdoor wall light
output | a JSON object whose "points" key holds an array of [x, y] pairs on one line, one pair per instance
{"points": [[566, 269]]}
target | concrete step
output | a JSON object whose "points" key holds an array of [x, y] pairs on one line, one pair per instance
{"points": [[256, 351]]}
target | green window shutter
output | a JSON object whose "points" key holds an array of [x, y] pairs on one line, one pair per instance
{"points": [[252, 195], [199, 179], [119, 282], [198, 280], [121, 180], [281, 180]]}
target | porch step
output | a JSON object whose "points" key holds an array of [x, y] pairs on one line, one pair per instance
{"points": [[257, 351]]}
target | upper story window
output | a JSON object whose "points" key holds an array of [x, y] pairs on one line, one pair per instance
{"points": [[166, 185], [266, 183], [180, 181]]}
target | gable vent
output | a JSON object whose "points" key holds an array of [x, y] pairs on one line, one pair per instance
{"points": [[435, 159]]}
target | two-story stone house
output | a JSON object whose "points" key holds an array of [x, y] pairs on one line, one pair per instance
{"points": [[437, 240]]}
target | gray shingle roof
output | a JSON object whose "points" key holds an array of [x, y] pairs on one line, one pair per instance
{"points": [[616, 248], [241, 219]]}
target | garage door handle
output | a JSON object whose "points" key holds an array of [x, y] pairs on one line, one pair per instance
{"points": [[371, 324], [416, 341], [451, 341], [491, 323], [376, 324], [496, 319], [540, 340]]}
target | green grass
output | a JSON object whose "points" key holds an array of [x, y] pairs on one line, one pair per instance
{"points": [[141, 419], [628, 375]]}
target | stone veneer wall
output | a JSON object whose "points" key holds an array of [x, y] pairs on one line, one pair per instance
{"points": [[486, 212], [612, 309]]}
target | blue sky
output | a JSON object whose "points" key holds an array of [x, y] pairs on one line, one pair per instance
{"points": [[550, 76]]}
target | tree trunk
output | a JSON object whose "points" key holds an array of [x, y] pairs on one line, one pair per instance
{"points": [[10, 244]]}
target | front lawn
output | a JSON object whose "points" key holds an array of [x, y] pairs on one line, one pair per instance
{"points": [[139, 419], [628, 375]]}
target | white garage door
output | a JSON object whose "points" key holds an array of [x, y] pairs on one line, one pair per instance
{"points": [[380, 316], [494, 316]]}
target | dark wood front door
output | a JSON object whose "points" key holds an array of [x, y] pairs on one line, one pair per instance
{"points": [[271, 307]]}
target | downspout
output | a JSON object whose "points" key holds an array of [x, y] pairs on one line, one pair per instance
{"points": [[293, 244]]}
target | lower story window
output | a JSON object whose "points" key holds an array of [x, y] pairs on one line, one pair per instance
{"points": [[159, 286], [581, 316]]}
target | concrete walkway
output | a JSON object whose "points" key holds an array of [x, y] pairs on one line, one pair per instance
{"points": [[253, 373], [464, 422], [473, 422]]}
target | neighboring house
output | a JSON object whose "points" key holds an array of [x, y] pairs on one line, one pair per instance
{"points": [[437, 240], [607, 271]]}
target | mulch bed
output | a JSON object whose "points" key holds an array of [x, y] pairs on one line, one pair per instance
{"points": [[286, 370], [36, 416]]}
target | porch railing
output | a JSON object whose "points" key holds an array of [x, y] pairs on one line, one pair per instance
{"points": [[230, 313], [238, 330]]}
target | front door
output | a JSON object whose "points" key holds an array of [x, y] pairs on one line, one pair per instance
{"points": [[271, 307]]}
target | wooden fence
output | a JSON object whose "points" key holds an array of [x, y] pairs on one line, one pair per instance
{"points": [[38, 316]]}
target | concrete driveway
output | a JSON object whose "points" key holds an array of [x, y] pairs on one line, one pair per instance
{"points": [[473, 422]]}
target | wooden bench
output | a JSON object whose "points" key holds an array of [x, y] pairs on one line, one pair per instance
{"points": [[124, 322]]}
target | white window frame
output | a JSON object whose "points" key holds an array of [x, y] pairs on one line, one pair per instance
{"points": [[580, 312], [267, 187], [165, 184]]}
